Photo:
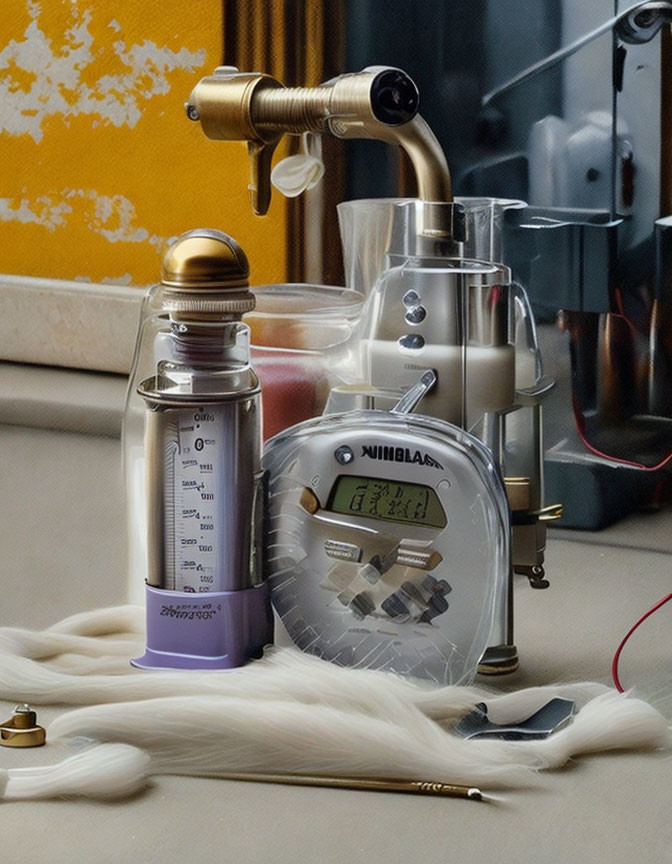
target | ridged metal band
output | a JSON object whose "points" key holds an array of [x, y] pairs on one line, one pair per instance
{"points": [[238, 304]]}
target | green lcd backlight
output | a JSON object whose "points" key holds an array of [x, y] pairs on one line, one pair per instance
{"points": [[409, 503]]}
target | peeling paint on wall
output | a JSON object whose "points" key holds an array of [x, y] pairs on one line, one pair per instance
{"points": [[40, 78], [100, 167], [43, 211], [111, 217]]}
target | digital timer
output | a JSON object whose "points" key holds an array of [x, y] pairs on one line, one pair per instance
{"points": [[387, 499]]}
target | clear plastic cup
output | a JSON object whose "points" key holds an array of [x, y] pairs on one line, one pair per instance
{"points": [[305, 340]]}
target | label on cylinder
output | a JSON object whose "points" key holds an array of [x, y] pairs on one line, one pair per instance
{"points": [[196, 501], [203, 496]]}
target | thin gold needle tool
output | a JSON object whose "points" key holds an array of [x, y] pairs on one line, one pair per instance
{"points": [[421, 787]]}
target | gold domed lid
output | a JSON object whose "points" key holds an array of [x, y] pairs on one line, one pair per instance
{"points": [[203, 259], [207, 271]]}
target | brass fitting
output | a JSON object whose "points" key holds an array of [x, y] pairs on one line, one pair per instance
{"points": [[21, 730], [378, 103]]}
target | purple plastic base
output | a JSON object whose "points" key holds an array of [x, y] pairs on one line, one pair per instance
{"points": [[217, 630]]}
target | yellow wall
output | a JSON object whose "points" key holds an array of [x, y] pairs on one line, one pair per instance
{"points": [[99, 166]]}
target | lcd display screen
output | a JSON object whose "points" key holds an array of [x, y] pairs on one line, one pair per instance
{"points": [[409, 503]]}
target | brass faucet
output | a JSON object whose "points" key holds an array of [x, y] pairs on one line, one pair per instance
{"points": [[379, 103]]}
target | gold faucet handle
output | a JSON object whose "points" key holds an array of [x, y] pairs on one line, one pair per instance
{"points": [[261, 156], [22, 730], [223, 103]]}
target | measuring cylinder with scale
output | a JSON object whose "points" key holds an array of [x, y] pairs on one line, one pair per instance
{"points": [[389, 544], [207, 606]]}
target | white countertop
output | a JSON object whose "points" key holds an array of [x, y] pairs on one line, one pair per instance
{"points": [[62, 542]]}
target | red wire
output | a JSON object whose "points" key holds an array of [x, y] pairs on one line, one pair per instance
{"points": [[621, 312], [578, 419], [614, 662]]}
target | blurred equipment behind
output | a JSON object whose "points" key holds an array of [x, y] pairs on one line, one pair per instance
{"points": [[575, 117]]}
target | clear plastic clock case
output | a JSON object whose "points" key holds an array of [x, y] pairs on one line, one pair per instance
{"points": [[388, 543]]}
